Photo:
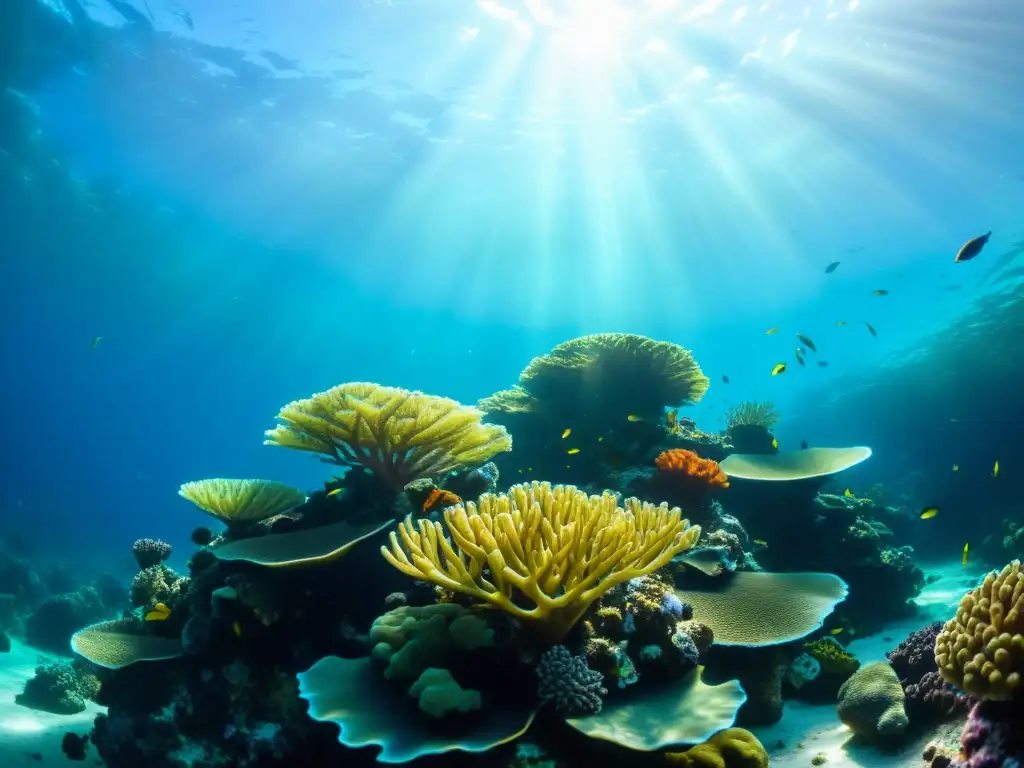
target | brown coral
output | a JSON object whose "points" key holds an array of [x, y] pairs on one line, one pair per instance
{"points": [[981, 649]]}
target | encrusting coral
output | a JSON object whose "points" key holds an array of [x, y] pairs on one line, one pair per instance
{"points": [[981, 649], [241, 501], [399, 435], [553, 545]]}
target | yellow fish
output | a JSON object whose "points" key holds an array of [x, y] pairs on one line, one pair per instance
{"points": [[335, 492], [566, 433], [956, 467], [780, 368], [840, 323], [236, 628], [775, 442], [995, 469], [761, 542], [929, 512], [836, 631], [160, 612], [672, 417], [770, 331], [963, 559], [633, 417], [95, 341], [573, 451], [848, 493]]}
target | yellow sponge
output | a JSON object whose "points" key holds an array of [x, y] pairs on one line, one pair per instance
{"points": [[731, 748], [981, 649]]}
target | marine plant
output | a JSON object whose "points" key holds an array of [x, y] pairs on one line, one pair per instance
{"points": [[552, 545], [398, 435], [752, 413]]}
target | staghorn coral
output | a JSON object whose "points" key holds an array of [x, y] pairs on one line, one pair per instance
{"points": [[871, 702], [241, 501], [616, 373], [981, 649], [553, 545], [567, 682], [751, 413], [399, 435], [149, 552]]}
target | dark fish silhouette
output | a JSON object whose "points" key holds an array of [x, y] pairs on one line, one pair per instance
{"points": [[823, 363], [871, 330], [880, 292], [725, 379], [831, 267], [807, 342], [972, 247], [800, 357], [803, 445]]}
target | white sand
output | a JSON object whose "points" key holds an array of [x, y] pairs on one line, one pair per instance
{"points": [[808, 729], [25, 731]]}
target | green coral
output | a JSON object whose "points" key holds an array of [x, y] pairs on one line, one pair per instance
{"points": [[833, 658], [731, 748], [872, 702]]}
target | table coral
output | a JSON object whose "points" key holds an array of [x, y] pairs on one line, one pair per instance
{"points": [[240, 501], [981, 649]]}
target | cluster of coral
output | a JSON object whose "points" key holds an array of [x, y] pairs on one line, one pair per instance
{"points": [[628, 617]]}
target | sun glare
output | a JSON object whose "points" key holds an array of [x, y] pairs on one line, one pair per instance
{"points": [[594, 34]]}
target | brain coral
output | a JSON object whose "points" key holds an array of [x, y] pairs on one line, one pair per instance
{"points": [[981, 649], [731, 748], [871, 702]]}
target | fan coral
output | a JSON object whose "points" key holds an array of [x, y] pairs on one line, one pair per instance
{"points": [[149, 552], [682, 464], [399, 435], [569, 683], [557, 547], [981, 649], [241, 501], [750, 413]]}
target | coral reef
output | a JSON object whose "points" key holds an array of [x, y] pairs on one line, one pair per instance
{"points": [[50, 627], [60, 687], [686, 480], [149, 552], [835, 665], [992, 736], [398, 435], [730, 748], [871, 702], [928, 696], [567, 683], [749, 425]]}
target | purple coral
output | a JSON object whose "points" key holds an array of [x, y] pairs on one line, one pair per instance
{"points": [[569, 683], [934, 695], [676, 608], [150, 552], [992, 737], [915, 657]]}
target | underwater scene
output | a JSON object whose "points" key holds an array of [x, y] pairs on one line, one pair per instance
{"points": [[512, 383]]}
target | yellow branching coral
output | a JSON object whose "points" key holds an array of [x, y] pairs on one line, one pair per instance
{"points": [[242, 501], [602, 371], [981, 649], [399, 435], [551, 545]]}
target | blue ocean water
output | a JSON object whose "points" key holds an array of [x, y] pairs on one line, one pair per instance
{"points": [[210, 209]]}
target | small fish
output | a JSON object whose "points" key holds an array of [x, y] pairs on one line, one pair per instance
{"points": [[672, 418], [761, 542], [95, 342], [995, 469], [519, 471], [806, 341], [713, 561], [972, 247], [836, 631], [848, 493], [566, 433], [600, 438], [870, 328], [780, 368], [440, 499], [803, 445], [236, 627], [831, 267], [633, 417], [963, 557], [823, 363], [334, 492], [775, 442], [841, 323], [770, 331], [880, 292], [725, 379], [929, 512], [160, 612], [800, 357], [573, 451], [956, 467]]}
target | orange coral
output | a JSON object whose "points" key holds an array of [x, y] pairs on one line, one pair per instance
{"points": [[683, 463], [439, 499]]}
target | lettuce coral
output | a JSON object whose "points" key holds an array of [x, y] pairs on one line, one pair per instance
{"points": [[981, 649], [554, 545], [398, 435]]}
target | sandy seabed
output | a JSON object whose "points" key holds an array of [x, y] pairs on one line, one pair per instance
{"points": [[807, 730]]}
